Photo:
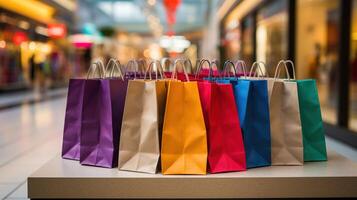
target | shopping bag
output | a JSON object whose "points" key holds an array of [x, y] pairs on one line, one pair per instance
{"points": [[139, 148], [311, 120], [73, 116], [103, 105], [225, 143], [286, 129], [184, 142], [251, 97]]}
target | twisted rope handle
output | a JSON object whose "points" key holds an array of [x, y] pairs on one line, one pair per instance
{"points": [[200, 64], [94, 67], [136, 65], [159, 68], [228, 62], [243, 66], [183, 63], [112, 65], [278, 69], [257, 65]]}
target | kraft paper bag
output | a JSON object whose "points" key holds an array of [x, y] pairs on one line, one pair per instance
{"points": [[73, 116], [103, 105], [286, 129], [139, 148], [184, 141]]}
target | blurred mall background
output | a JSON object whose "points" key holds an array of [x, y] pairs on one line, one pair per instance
{"points": [[43, 43]]}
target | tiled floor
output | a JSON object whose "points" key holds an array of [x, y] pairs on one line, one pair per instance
{"points": [[29, 96], [31, 135]]}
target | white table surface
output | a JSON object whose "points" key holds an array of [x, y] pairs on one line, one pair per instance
{"points": [[61, 178]]}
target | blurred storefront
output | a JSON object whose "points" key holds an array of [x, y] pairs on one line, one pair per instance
{"points": [[34, 48], [141, 29], [353, 70], [308, 32]]}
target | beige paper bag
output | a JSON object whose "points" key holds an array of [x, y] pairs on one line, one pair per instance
{"points": [[285, 124], [139, 148]]}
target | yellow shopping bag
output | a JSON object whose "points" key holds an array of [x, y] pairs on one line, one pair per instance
{"points": [[184, 142]]}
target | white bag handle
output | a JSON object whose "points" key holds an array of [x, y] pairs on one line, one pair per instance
{"points": [[114, 64], [284, 63], [159, 68], [96, 67], [136, 65], [228, 62], [183, 63], [257, 65], [200, 64], [164, 62], [243, 66]]}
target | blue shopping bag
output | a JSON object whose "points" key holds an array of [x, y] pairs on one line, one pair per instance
{"points": [[253, 107], [251, 98]]}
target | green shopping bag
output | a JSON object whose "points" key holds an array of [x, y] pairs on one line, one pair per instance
{"points": [[311, 120]]}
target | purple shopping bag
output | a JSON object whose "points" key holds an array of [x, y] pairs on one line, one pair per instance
{"points": [[73, 116], [103, 105]]}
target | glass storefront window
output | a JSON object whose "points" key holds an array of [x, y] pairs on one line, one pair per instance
{"points": [[272, 33], [247, 40], [317, 50], [353, 70], [231, 41]]}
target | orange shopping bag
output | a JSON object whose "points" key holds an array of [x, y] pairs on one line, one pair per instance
{"points": [[184, 142]]}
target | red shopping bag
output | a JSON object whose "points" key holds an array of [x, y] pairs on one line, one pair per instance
{"points": [[225, 143]]}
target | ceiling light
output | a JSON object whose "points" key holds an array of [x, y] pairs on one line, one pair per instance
{"points": [[151, 2], [174, 43], [2, 44], [32, 46], [24, 24], [41, 30]]}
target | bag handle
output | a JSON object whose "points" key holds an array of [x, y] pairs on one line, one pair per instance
{"points": [[136, 65], [188, 61], [143, 64], [257, 65], [159, 68], [228, 62], [214, 62], [112, 65], [284, 63], [286, 69], [292, 67], [183, 63], [164, 62], [96, 67], [200, 64], [243, 66]]}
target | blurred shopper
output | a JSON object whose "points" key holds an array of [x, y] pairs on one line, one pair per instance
{"points": [[32, 66], [354, 69], [330, 65], [354, 84], [315, 63], [54, 64]]}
